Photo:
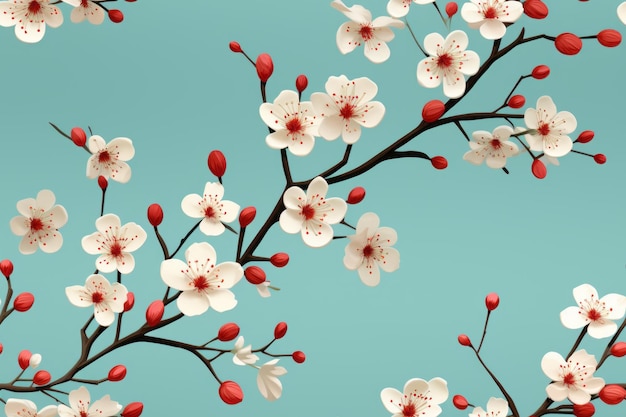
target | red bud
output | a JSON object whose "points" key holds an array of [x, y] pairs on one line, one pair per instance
{"points": [[298, 356], [599, 158], [451, 8], [433, 110], [356, 195], [155, 214], [41, 378], [23, 302], [246, 216], [618, 349], [584, 410], [540, 72], [6, 267], [264, 67], [235, 47], [217, 163], [612, 394], [116, 16], [568, 44], [23, 358], [491, 301], [439, 162], [516, 101], [460, 402], [585, 136], [78, 135], [464, 340], [130, 301], [154, 313], [280, 330], [117, 373], [609, 38], [279, 259], [230, 392], [1, 348], [102, 183], [301, 83], [133, 409], [228, 332], [535, 9], [539, 169], [254, 275]]}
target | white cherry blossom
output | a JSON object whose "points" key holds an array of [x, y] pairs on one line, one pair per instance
{"points": [[490, 15], [621, 12], [86, 9], [312, 213], [573, 378], [114, 242], [30, 18], [420, 398], [347, 107], [106, 298], [361, 29], [109, 160], [552, 128], [496, 407], [400, 8], [203, 282], [25, 408], [39, 223], [210, 208], [599, 314], [370, 248], [449, 62], [494, 147], [267, 380], [242, 355], [81, 406], [294, 123]]}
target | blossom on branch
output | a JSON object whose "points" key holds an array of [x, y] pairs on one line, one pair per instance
{"points": [[490, 15], [573, 378], [621, 12], [552, 128], [420, 398], [210, 208], [29, 18], [267, 380], [496, 407], [400, 8], [81, 406], [495, 147], [109, 160], [105, 298], [86, 9], [26, 408], [242, 355]]}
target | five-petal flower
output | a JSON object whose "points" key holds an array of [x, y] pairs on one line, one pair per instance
{"points": [[26, 408], [552, 128], [573, 378], [109, 160], [210, 208], [29, 18], [86, 9], [400, 8], [496, 407], [419, 399], [81, 406], [106, 298], [491, 146], [267, 380], [490, 15]]}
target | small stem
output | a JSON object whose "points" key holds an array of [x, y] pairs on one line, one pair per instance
{"points": [[577, 343], [184, 239], [166, 254], [484, 331], [414, 38]]}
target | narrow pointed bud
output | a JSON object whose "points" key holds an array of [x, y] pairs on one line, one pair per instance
{"points": [[42, 378], [217, 163], [6, 267], [464, 340], [460, 402], [130, 301], [539, 169], [235, 47], [609, 38], [585, 136], [264, 67], [230, 392], [540, 72], [599, 158], [492, 301], [584, 410], [280, 330], [254, 275], [117, 373], [246, 216], [356, 195], [451, 9], [116, 16], [79, 137], [618, 349], [612, 394], [433, 110], [301, 83], [23, 302], [439, 162], [102, 183], [23, 359], [279, 259], [535, 9], [516, 101], [568, 44], [132, 410], [298, 356], [154, 313], [155, 214], [228, 332]]}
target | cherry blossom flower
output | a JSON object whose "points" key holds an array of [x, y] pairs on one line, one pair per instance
{"points": [[312, 213], [105, 298], [573, 378], [491, 146], [420, 398], [496, 407], [400, 8], [490, 15], [203, 283], [361, 29], [29, 18], [552, 128], [347, 106], [210, 208], [86, 9], [114, 242], [26, 408], [110, 160], [370, 248], [267, 380], [81, 406], [597, 313], [621, 12], [39, 222], [294, 123], [243, 355], [449, 61]]}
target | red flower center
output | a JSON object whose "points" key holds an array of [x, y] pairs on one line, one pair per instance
{"points": [[544, 129], [368, 250], [444, 61], [84, 3], [83, 413], [34, 7], [409, 410], [36, 225], [366, 32], [104, 157], [491, 13], [97, 297], [307, 212], [495, 143], [201, 283], [569, 379], [347, 111], [209, 213], [594, 314], [116, 249], [294, 125]]}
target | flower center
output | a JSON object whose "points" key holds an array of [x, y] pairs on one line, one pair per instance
{"points": [[34, 7], [444, 61], [115, 249], [366, 32], [569, 379], [490, 13], [83, 413], [594, 315], [294, 125], [307, 212], [201, 283], [544, 129], [408, 410], [347, 111], [97, 297], [36, 225], [368, 250], [495, 143], [84, 3], [209, 213], [104, 157]]}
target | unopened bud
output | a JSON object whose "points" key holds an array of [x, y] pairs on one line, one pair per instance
{"points": [[79, 137], [23, 302], [599, 158], [356, 195], [235, 47], [116, 16], [460, 402], [612, 394], [217, 163], [154, 313], [6, 267], [491, 301], [439, 162], [117, 373], [451, 8], [516, 101], [254, 275], [230, 392], [301, 83], [618, 349], [568, 44], [130, 301], [132, 410], [539, 169], [228, 332], [23, 358], [464, 340], [298, 356], [535, 9], [264, 67], [584, 410], [41, 378], [433, 110], [279, 259], [246, 216], [155, 214], [102, 183], [280, 330], [585, 136], [540, 72], [609, 38]]}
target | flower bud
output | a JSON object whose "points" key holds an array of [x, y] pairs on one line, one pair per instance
{"points": [[230, 392], [584, 410], [130, 301], [132, 410], [34, 360], [254, 275], [264, 67], [356, 195], [235, 47], [23, 302], [217, 163], [618, 349], [516, 101], [116, 16], [154, 313], [433, 110], [41, 378], [280, 330], [298, 356], [117, 373], [599, 158], [540, 72], [23, 359], [568, 44], [246, 216], [301, 83], [155, 214], [535, 9], [612, 394], [451, 8], [228, 332], [585, 136], [79, 137], [491, 301], [539, 169], [609, 38], [6, 267], [1, 348], [460, 402], [102, 183], [279, 259], [439, 162], [464, 340]]}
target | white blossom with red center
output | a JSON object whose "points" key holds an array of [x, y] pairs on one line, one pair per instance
{"points": [[347, 106], [373, 34], [400, 8], [267, 380], [294, 123], [81, 406], [30, 18], [496, 407], [86, 9], [26, 408], [490, 15], [211, 209], [370, 248], [419, 399], [449, 62], [242, 355], [109, 160], [552, 128], [203, 282], [573, 378], [105, 298], [312, 213], [39, 223], [621, 12], [494, 147], [114, 242], [598, 313]]}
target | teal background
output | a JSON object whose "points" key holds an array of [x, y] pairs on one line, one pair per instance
{"points": [[166, 79]]}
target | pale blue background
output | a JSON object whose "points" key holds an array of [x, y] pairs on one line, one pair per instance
{"points": [[166, 79]]}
